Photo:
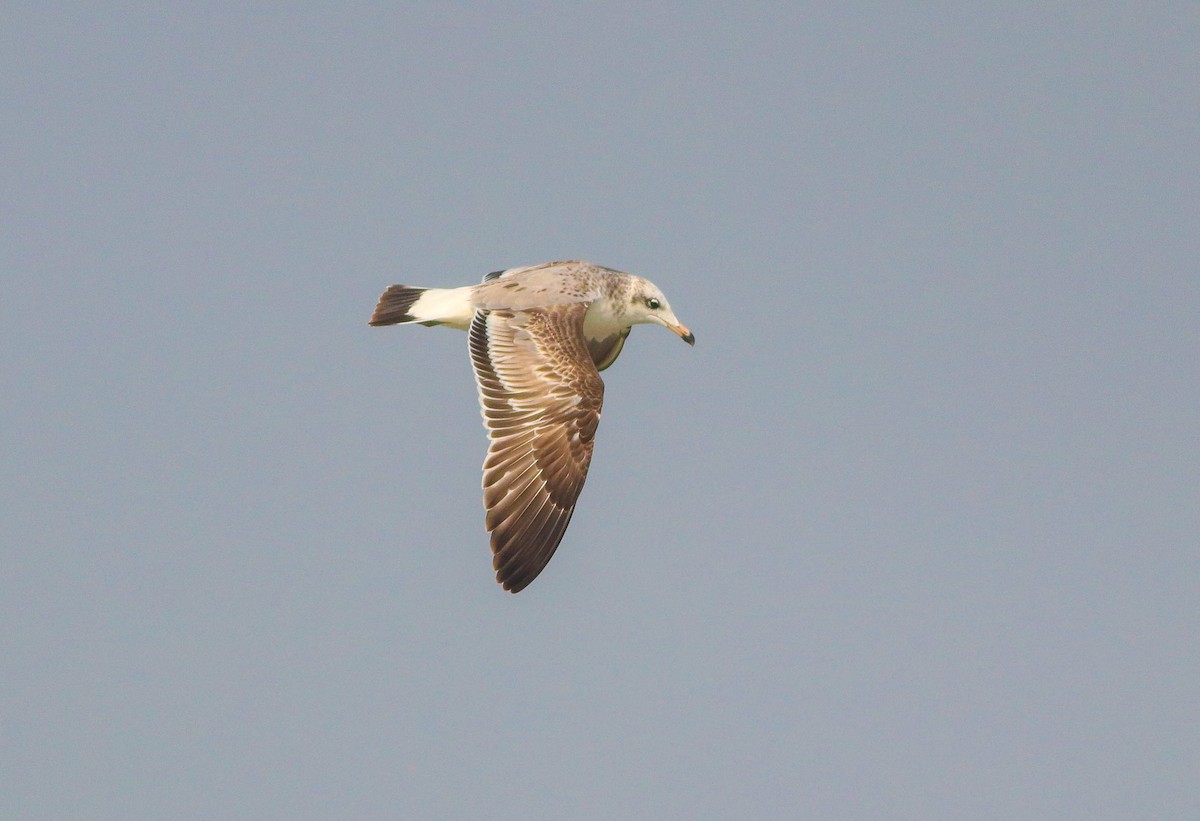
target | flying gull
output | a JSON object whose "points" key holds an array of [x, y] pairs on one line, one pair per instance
{"points": [[539, 337]]}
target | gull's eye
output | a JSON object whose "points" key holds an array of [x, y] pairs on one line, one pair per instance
{"points": [[653, 304]]}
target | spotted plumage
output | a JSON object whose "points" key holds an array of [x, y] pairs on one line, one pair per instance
{"points": [[538, 338]]}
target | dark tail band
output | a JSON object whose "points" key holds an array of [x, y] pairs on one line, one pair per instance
{"points": [[394, 304]]}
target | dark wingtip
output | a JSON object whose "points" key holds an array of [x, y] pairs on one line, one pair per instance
{"points": [[513, 587]]}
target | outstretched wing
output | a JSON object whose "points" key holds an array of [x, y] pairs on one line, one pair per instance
{"points": [[541, 396]]}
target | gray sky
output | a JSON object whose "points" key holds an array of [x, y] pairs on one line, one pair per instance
{"points": [[910, 533]]}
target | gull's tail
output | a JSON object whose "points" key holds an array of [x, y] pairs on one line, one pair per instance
{"points": [[403, 304]]}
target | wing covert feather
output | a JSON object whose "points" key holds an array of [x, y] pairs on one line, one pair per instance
{"points": [[541, 396]]}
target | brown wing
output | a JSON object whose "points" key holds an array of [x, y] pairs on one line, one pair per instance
{"points": [[605, 351], [541, 397]]}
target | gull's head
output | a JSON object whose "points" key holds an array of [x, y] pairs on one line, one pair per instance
{"points": [[648, 305]]}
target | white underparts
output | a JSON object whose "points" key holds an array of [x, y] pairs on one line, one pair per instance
{"points": [[448, 306], [599, 322]]}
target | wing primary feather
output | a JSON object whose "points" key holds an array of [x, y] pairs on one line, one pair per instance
{"points": [[540, 398]]}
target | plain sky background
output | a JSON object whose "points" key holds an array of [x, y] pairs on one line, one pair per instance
{"points": [[912, 532]]}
